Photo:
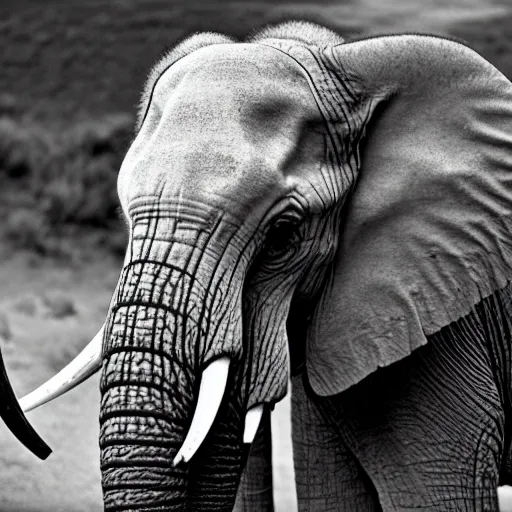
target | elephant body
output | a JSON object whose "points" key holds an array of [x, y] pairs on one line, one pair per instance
{"points": [[335, 212], [430, 432]]}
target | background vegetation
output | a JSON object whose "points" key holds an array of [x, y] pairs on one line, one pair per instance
{"points": [[72, 72]]}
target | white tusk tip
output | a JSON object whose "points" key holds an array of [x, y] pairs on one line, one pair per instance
{"points": [[78, 370], [211, 392], [252, 422], [25, 406], [178, 459], [185, 453]]}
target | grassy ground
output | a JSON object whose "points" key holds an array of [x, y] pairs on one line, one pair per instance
{"points": [[71, 73], [39, 344]]}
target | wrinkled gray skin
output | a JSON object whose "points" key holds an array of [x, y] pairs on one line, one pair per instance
{"points": [[233, 191]]}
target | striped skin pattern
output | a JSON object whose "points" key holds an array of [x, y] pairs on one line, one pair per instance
{"points": [[153, 356], [242, 176]]}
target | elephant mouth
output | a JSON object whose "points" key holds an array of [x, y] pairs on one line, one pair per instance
{"points": [[12, 414], [211, 393]]}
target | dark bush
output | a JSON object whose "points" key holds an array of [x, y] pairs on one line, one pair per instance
{"points": [[56, 176], [27, 229]]}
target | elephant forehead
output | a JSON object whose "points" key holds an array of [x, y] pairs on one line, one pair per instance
{"points": [[226, 120], [250, 85]]}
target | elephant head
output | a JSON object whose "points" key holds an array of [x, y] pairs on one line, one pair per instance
{"points": [[293, 203]]}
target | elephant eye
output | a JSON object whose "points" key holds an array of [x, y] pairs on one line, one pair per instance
{"points": [[283, 238]]}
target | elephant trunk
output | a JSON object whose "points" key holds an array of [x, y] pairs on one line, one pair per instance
{"points": [[161, 337]]}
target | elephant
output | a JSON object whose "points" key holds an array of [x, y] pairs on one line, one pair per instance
{"points": [[335, 214]]}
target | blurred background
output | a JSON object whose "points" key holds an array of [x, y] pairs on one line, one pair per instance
{"points": [[70, 76]]}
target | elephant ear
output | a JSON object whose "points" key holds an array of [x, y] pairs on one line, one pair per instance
{"points": [[427, 231]]}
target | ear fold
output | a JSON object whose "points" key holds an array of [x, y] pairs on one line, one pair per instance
{"points": [[427, 231]]}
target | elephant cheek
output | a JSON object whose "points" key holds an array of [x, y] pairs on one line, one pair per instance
{"points": [[268, 365]]}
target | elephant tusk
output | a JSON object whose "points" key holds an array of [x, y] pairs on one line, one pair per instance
{"points": [[81, 368], [15, 420], [505, 498], [211, 391], [252, 422]]}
